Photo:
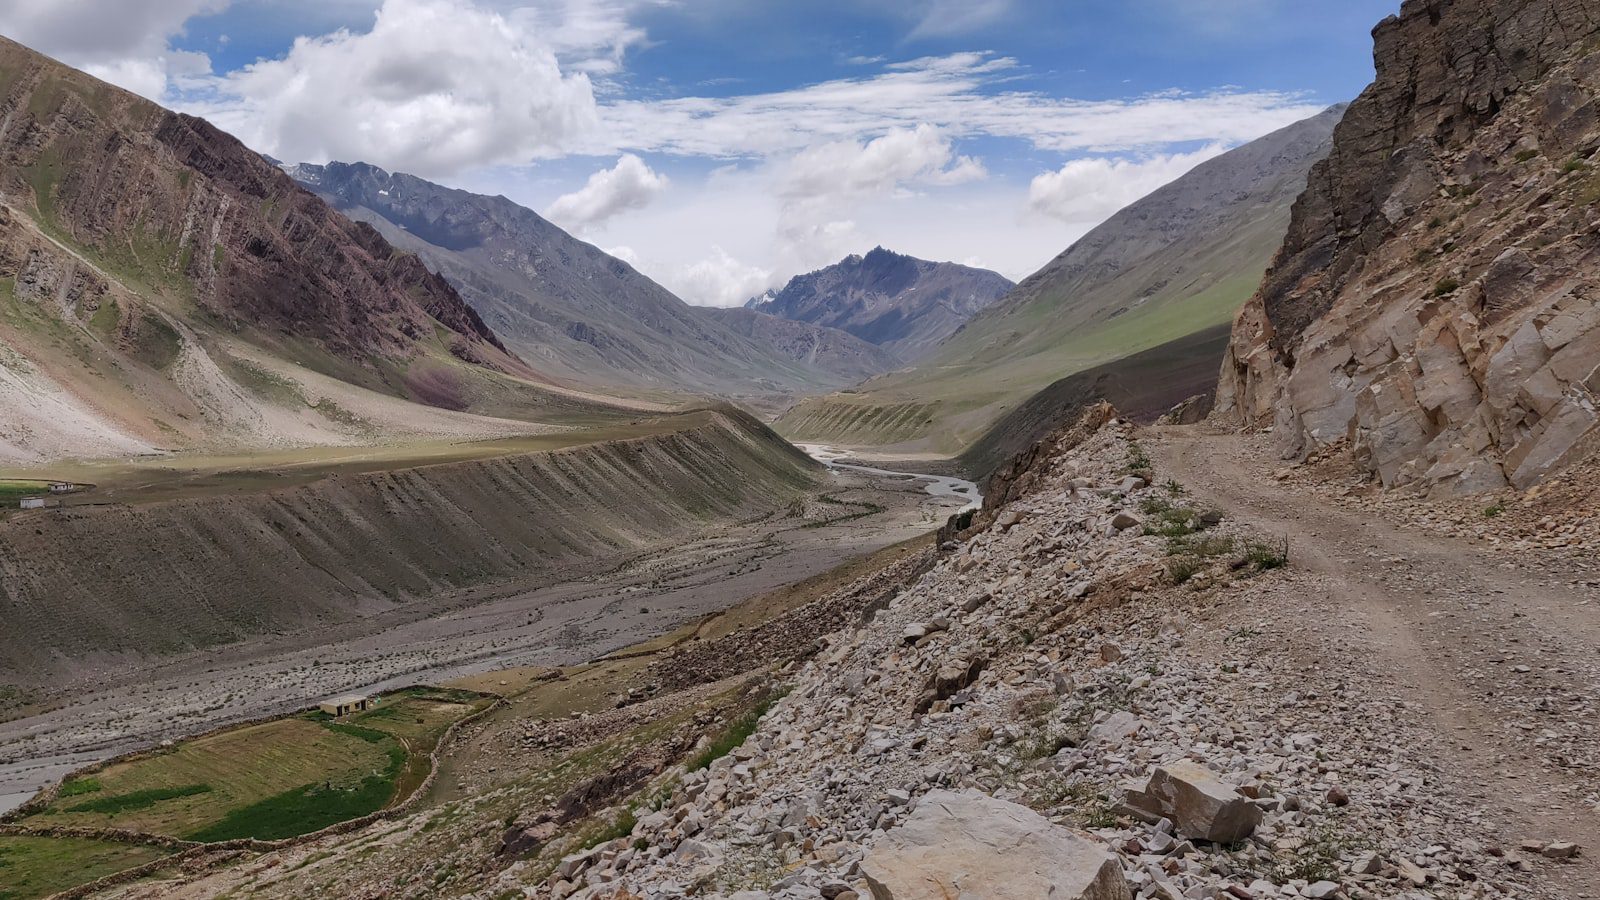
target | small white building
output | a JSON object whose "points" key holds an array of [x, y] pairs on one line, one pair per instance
{"points": [[32, 503], [62, 487], [349, 703]]}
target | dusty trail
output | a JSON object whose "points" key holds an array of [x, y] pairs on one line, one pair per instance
{"points": [[1499, 652]]}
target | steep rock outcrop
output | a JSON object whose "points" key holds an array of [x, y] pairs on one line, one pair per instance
{"points": [[1431, 303]]}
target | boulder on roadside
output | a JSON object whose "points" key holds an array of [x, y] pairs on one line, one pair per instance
{"points": [[1198, 801], [968, 844]]}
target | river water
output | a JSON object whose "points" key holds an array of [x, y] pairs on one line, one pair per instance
{"points": [[937, 485]]}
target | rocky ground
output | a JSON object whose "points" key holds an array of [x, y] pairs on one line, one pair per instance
{"points": [[1046, 713]]}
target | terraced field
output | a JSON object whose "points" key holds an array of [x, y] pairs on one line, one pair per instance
{"points": [[33, 867], [271, 780]]}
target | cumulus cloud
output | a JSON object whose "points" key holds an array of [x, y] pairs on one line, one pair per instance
{"points": [[435, 87], [920, 155], [125, 42], [630, 184], [822, 185], [720, 280], [1087, 191]]}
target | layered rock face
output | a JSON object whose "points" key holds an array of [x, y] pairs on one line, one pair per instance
{"points": [[171, 204], [1433, 301]]}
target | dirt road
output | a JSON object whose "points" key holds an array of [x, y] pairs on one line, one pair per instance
{"points": [[1497, 653]]}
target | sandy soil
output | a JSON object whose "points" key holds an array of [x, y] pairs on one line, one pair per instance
{"points": [[477, 631]]}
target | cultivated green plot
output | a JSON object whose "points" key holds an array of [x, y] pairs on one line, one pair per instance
{"points": [[272, 780], [38, 867]]}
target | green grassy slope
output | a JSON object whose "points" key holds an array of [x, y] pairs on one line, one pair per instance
{"points": [[1178, 262]]}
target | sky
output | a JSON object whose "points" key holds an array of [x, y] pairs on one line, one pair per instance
{"points": [[724, 146]]}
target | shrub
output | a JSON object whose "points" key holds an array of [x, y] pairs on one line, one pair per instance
{"points": [[1262, 556], [1525, 155], [1446, 286], [1138, 460], [1494, 510]]}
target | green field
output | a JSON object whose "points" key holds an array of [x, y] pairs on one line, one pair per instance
{"points": [[272, 780], [38, 867], [14, 489]]}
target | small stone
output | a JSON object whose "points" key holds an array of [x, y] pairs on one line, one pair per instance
{"points": [[1338, 797], [1321, 890], [1560, 850], [1410, 871]]}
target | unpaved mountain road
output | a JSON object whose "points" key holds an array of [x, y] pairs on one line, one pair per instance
{"points": [[1498, 653]]}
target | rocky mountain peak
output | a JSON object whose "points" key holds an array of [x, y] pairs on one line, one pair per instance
{"points": [[901, 303]]}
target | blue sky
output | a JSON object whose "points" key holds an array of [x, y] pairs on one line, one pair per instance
{"points": [[723, 146]]}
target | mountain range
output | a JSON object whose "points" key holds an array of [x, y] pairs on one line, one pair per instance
{"points": [[900, 303], [573, 311], [161, 285], [1177, 262]]}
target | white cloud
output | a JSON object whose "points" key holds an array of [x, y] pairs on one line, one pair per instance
{"points": [[823, 185], [589, 36], [1087, 191], [962, 94], [719, 280], [630, 184], [125, 42], [435, 87], [945, 18], [920, 155]]}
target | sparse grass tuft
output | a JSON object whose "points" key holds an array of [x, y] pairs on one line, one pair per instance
{"points": [[731, 737], [1262, 556], [1138, 460], [1494, 510]]}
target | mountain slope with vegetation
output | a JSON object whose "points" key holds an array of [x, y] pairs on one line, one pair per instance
{"points": [[1177, 262]]}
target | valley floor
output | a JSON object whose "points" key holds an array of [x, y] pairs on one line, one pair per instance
{"points": [[1409, 706], [574, 619]]}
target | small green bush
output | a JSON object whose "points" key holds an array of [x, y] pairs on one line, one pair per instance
{"points": [[1525, 155], [1262, 556], [80, 786], [1446, 286]]}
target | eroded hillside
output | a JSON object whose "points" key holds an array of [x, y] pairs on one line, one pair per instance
{"points": [[89, 586], [162, 286]]}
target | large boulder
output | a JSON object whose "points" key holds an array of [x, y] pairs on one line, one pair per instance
{"points": [[1198, 801], [969, 845]]}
